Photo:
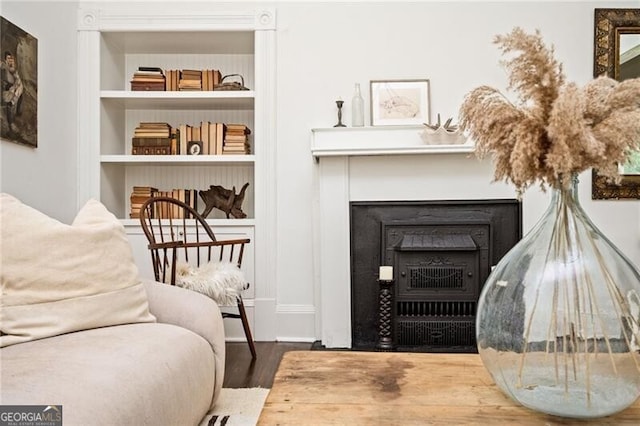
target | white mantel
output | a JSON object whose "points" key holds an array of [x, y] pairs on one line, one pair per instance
{"points": [[396, 140], [377, 163]]}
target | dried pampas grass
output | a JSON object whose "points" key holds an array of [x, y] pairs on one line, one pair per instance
{"points": [[555, 129]]}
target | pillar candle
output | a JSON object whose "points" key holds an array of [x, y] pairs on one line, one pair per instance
{"points": [[386, 273]]}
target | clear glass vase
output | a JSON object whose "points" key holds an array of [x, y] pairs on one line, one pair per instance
{"points": [[557, 323]]}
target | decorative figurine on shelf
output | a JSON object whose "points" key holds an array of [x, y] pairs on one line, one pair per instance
{"points": [[442, 134], [339, 103], [224, 199]]}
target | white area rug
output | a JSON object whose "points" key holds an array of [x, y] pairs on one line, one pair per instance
{"points": [[237, 407]]}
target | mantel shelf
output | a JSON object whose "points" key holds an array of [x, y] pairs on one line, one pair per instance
{"points": [[362, 141]]}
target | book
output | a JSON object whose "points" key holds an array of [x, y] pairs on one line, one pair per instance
{"points": [[154, 125], [150, 141], [235, 138], [147, 86], [151, 150], [184, 138], [234, 128], [139, 195], [142, 76], [144, 190], [205, 80], [150, 69], [151, 134], [204, 135], [220, 128], [190, 80]]}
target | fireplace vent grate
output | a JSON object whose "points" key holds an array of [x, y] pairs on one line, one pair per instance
{"points": [[435, 277], [443, 334], [436, 309]]}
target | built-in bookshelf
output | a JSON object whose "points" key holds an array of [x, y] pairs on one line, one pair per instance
{"points": [[113, 45]]}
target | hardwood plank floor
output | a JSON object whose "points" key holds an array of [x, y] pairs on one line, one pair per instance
{"points": [[242, 372]]}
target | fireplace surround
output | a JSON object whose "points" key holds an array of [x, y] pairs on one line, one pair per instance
{"points": [[441, 253], [385, 163]]}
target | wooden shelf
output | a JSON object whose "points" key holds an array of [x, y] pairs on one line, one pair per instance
{"points": [[227, 100], [179, 160]]}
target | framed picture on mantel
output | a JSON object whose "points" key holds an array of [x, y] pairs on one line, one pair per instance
{"points": [[399, 102]]}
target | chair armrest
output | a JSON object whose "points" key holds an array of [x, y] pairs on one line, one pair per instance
{"points": [[217, 243], [168, 245], [193, 311]]}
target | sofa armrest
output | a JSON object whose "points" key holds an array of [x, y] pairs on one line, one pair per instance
{"points": [[193, 311]]}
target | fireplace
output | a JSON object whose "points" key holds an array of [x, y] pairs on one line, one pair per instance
{"points": [[385, 164], [441, 253]]}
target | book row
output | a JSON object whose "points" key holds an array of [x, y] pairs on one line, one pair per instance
{"points": [[140, 194], [157, 79], [152, 138]]}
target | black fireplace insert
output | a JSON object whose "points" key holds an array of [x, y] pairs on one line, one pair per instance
{"points": [[441, 253]]}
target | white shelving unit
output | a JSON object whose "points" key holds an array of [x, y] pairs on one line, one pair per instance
{"points": [[112, 44]]}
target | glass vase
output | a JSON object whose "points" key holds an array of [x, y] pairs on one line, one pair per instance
{"points": [[557, 323]]}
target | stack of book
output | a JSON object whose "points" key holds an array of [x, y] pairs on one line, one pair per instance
{"points": [[148, 78], [236, 140], [154, 138], [210, 78], [172, 80], [209, 136], [190, 80], [204, 80], [139, 195], [187, 196]]}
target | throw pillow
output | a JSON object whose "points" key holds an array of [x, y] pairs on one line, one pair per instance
{"points": [[59, 278]]}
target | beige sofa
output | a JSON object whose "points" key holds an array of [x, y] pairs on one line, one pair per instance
{"points": [[168, 372]]}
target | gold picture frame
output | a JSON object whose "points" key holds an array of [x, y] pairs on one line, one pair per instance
{"points": [[609, 24]]}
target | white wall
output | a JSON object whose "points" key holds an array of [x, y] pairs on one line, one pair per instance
{"points": [[323, 49], [45, 177]]}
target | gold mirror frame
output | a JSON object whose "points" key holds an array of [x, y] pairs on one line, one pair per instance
{"points": [[609, 24]]}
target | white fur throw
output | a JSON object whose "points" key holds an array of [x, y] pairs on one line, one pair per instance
{"points": [[221, 281]]}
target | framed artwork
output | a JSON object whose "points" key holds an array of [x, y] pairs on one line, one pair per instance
{"points": [[194, 148], [19, 71], [399, 102], [616, 54]]}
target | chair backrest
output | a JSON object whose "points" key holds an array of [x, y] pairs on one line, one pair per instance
{"points": [[177, 233]]}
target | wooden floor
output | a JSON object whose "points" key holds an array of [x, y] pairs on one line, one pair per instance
{"points": [[241, 372]]}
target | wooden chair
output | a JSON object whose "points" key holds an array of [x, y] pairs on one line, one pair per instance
{"points": [[178, 233]]}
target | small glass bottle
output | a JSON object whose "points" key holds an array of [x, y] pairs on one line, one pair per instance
{"points": [[357, 108]]}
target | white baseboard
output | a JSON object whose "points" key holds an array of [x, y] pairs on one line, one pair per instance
{"points": [[296, 323], [270, 322]]}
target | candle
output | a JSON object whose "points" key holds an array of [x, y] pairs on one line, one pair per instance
{"points": [[386, 273]]}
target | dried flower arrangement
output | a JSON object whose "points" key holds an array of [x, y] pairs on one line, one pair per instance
{"points": [[580, 307], [557, 129]]}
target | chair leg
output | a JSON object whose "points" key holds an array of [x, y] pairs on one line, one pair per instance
{"points": [[247, 330]]}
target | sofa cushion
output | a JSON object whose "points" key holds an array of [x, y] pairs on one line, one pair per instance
{"points": [[134, 374], [59, 278]]}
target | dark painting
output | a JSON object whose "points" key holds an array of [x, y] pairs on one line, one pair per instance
{"points": [[19, 70]]}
